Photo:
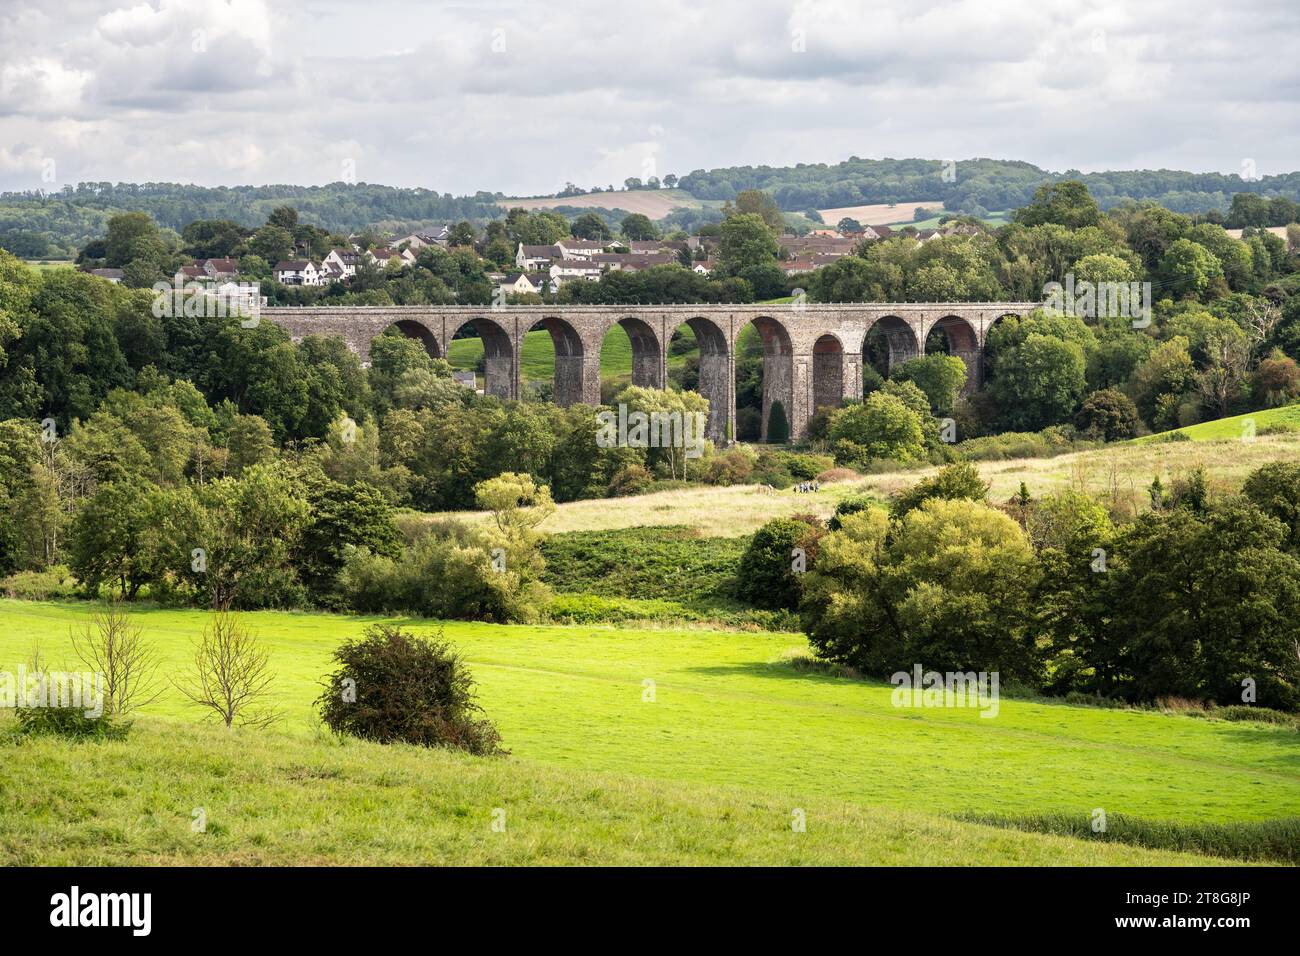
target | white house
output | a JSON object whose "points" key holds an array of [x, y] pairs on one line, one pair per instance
{"points": [[521, 283], [562, 270], [579, 248], [529, 258], [297, 272], [343, 261]]}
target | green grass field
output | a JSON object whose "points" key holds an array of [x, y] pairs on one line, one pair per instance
{"points": [[268, 799], [731, 710], [537, 358], [1236, 426]]}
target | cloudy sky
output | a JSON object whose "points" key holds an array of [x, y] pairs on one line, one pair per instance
{"points": [[521, 97]]}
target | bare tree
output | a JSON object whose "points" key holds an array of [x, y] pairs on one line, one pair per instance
{"points": [[1261, 320], [231, 673], [111, 645]]}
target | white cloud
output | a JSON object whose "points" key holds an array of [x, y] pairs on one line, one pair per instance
{"points": [[500, 95]]}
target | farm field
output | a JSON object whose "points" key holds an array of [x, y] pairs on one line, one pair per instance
{"points": [[730, 711], [655, 203], [878, 214], [742, 509]]}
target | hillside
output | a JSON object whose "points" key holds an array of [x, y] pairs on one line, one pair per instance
{"points": [[655, 203], [733, 722], [272, 800]]}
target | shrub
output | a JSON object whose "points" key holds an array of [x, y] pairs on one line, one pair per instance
{"points": [[730, 468], [453, 576], [70, 723], [767, 575], [960, 481], [837, 474], [882, 427], [850, 506], [806, 467], [630, 480], [394, 686], [52, 584], [1108, 415], [778, 426]]}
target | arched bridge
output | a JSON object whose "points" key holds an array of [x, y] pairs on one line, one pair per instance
{"points": [[812, 354]]}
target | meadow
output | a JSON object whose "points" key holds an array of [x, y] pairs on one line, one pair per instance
{"points": [[702, 709], [1126, 469]]}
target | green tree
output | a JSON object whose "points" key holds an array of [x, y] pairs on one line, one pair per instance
{"points": [[638, 226]]}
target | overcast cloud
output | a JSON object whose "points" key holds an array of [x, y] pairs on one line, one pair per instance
{"points": [[523, 96]]}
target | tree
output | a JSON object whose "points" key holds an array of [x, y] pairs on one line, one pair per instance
{"points": [[343, 517], [941, 377], [881, 427], [1167, 372], [778, 427], [637, 226], [1176, 576], [462, 234], [283, 217], [130, 233], [272, 243], [746, 241], [949, 586], [1275, 490], [755, 202], [108, 539], [1277, 380], [232, 674], [772, 568], [1039, 381], [956, 482], [1189, 269], [111, 646], [591, 226], [1108, 415], [1066, 203]]}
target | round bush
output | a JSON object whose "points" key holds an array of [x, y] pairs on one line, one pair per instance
{"points": [[395, 686]]}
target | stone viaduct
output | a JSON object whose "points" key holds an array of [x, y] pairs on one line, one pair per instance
{"points": [[812, 354]]}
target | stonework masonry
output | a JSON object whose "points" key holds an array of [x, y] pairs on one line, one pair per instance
{"points": [[812, 354]]}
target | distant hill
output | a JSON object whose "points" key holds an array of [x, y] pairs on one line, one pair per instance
{"points": [[38, 225], [972, 186]]}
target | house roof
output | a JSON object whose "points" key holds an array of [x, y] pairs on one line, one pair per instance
{"points": [[294, 265]]}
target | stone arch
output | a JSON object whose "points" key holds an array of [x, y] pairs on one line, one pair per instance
{"points": [[828, 372], [889, 341], [955, 335], [715, 373], [778, 373], [647, 352], [985, 365], [568, 359], [498, 355], [418, 331]]}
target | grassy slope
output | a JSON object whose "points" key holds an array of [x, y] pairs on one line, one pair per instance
{"points": [[730, 711], [269, 799], [1237, 426], [741, 509]]}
